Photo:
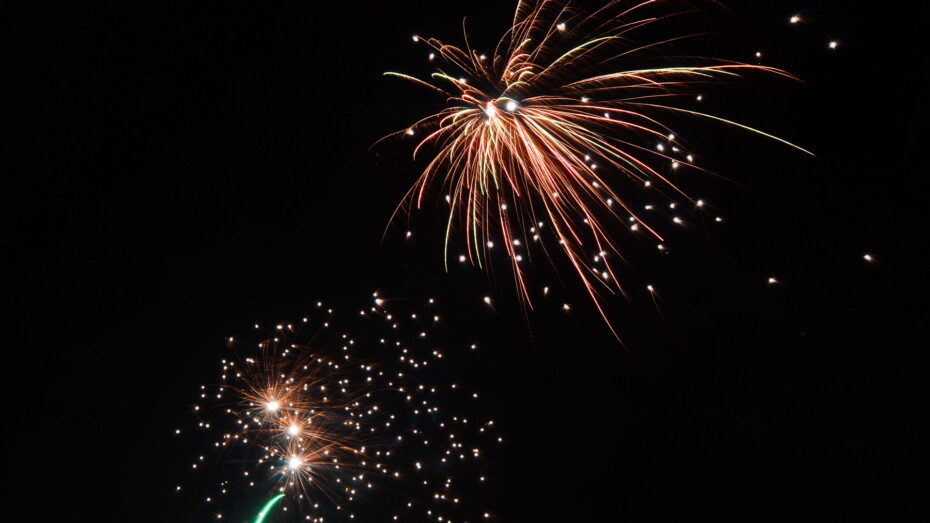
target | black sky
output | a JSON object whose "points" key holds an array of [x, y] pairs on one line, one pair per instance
{"points": [[193, 168]]}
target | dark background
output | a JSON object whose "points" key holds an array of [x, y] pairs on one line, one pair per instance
{"points": [[192, 168]]}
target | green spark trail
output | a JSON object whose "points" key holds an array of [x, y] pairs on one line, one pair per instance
{"points": [[267, 508]]}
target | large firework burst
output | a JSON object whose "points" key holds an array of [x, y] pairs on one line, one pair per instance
{"points": [[345, 424], [553, 132]]}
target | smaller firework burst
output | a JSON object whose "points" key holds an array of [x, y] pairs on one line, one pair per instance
{"points": [[345, 425]]}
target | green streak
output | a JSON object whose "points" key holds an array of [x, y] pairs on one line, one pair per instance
{"points": [[267, 508]]}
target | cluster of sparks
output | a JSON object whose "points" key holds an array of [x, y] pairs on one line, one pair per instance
{"points": [[552, 138], [336, 423]]}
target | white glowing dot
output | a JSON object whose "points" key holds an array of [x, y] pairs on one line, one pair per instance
{"points": [[868, 258], [700, 97], [432, 56], [272, 406], [511, 106], [490, 110], [758, 54], [293, 430], [773, 281], [651, 288], [416, 38], [795, 19], [834, 44], [410, 132], [487, 299], [462, 258], [294, 463], [561, 26]]}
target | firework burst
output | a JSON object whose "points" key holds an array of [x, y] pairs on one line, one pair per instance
{"points": [[555, 133], [342, 425]]}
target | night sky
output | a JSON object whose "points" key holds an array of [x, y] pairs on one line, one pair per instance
{"points": [[193, 168]]}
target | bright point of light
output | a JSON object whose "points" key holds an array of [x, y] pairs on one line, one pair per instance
{"points": [[416, 38], [868, 258], [773, 281], [272, 406], [294, 463], [293, 430], [795, 19], [490, 110], [511, 106], [834, 44]]}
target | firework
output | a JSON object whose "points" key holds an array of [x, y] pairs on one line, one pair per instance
{"points": [[556, 134], [339, 424]]}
